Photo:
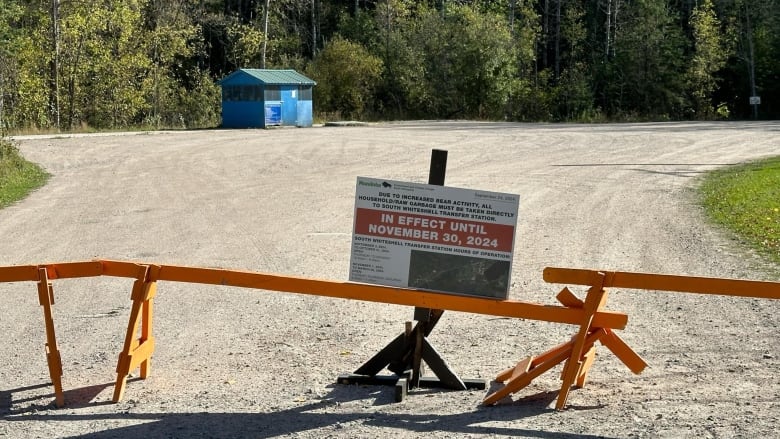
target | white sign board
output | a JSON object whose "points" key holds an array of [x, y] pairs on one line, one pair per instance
{"points": [[431, 237], [755, 100]]}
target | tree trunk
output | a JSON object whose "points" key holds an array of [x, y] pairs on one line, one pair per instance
{"points": [[512, 6], [54, 65], [545, 32], [608, 30], [2, 102], [751, 61], [558, 39], [265, 32], [313, 28]]}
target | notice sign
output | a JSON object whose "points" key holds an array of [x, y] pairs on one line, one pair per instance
{"points": [[431, 237]]}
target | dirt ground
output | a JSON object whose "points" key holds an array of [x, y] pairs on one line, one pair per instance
{"points": [[233, 362]]}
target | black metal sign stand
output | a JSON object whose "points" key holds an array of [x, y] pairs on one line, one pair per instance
{"points": [[405, 354]]}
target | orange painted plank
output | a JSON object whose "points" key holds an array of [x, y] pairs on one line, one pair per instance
{"points": [[702, 285], [345, 290], [513, 372], [505, 374], [567, 298], [571, 276], [142, 353], [19, 273], [596, 298], [123, 269], [522, 367], [620, 348], [582, 375], [69, 270], [552, 353], [391, 295], [523, 380], [667, 282], [53, 358], [147, 314]]}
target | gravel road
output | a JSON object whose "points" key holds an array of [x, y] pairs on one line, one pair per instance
{"points": [[245, 363]]}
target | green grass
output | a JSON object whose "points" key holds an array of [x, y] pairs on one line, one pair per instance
{"points": [[746, 200], [18, 177]]}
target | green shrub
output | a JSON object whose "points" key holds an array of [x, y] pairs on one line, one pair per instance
{"points": [[18, 177]]}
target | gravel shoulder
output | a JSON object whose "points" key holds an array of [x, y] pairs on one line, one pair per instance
{"points": [[245, 363]]}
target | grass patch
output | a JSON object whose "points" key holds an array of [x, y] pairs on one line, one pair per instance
{"points": [[746, 200], [18, 177]]}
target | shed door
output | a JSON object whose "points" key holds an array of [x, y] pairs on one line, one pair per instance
{"points": [[289, 106]]}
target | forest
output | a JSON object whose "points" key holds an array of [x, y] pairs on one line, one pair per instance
{"points": [[113, 64]]}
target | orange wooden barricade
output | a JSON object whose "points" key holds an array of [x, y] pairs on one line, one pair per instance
{"points": [[578, 354]]}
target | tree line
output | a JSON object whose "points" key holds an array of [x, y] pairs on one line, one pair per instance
{"points": [[105, 64]]}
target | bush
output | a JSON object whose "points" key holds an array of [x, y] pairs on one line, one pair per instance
{"points": [[346, 76], [18, 177]]}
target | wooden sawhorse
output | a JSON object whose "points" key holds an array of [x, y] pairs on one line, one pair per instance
{"points": [[578, 354]]}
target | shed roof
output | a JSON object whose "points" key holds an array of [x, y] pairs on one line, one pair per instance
{"points": [[274, 77]]}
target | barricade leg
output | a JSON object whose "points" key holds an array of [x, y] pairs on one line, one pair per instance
{"points": [[567, 298], [594, 301], [520, 376], [137, 349], [53, 359], [588, 359], [620, 348]]}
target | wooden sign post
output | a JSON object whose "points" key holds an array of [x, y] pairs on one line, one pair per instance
{"points": [[405, 354]]}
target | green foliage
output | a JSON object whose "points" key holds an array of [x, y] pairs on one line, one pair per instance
{"points": [[709, 57], [9, 37], [532, 102], [175, 95], [648, 64], [362, 27], [118, 99], [246, 44], [198, 107], [746, 200], [154, 63], [18, 177], [121, 64], [404, 70], [27, 104], [767, 56], [468, 63], [346, 76], [573, 94], [10, 12]]}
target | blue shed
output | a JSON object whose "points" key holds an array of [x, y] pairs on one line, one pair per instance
{"points": [[258, 98]]}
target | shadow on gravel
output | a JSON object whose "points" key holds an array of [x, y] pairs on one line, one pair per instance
{"points": [[75, 399], [6, 399], [85, 396], [321, 418]]}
